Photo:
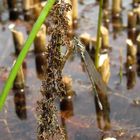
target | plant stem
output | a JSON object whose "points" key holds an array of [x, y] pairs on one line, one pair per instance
{"points": [[121, 66], [22, 55], [98, 43]]}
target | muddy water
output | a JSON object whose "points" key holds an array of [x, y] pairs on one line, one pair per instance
{"points": [[82, 120]]}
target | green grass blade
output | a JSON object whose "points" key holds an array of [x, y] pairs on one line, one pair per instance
{"points": [[9, 83], [98, 43]]}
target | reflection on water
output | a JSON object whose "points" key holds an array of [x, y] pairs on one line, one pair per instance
{"points": [[103, 116], [117, 23], [66, 108], [40, 62], [132, 35], [131, 77], [20, 103]]}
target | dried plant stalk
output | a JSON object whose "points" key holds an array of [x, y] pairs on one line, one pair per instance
{"points": [[18, 40], [36, 10], [27, 4], [104, 68], [132, 20], [40, 40], [19, 82], [52, 86], [131, 53], [116, 7], [105, 37]]}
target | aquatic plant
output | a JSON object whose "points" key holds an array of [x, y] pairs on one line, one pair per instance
{"points": [[52, 86], [98, 43], [9, 83]]}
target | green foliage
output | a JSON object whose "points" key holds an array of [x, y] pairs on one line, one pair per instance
{"points": [[9, 83], [98, 43]]}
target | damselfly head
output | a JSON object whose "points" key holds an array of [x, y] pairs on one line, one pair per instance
{"points": [[78, 44]]}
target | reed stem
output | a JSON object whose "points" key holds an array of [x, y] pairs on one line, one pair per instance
{"points": [[98, 43]]}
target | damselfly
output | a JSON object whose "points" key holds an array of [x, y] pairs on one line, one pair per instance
{"points": [[93, 74]]}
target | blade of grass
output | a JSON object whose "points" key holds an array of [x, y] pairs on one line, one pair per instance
{"points": [[98, 43], [22, 55]]}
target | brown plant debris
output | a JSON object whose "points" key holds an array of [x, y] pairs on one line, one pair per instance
{"points": [[52, 86], [47, 121]]}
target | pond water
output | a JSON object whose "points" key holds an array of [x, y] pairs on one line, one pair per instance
{"points": [[82, 120]]}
